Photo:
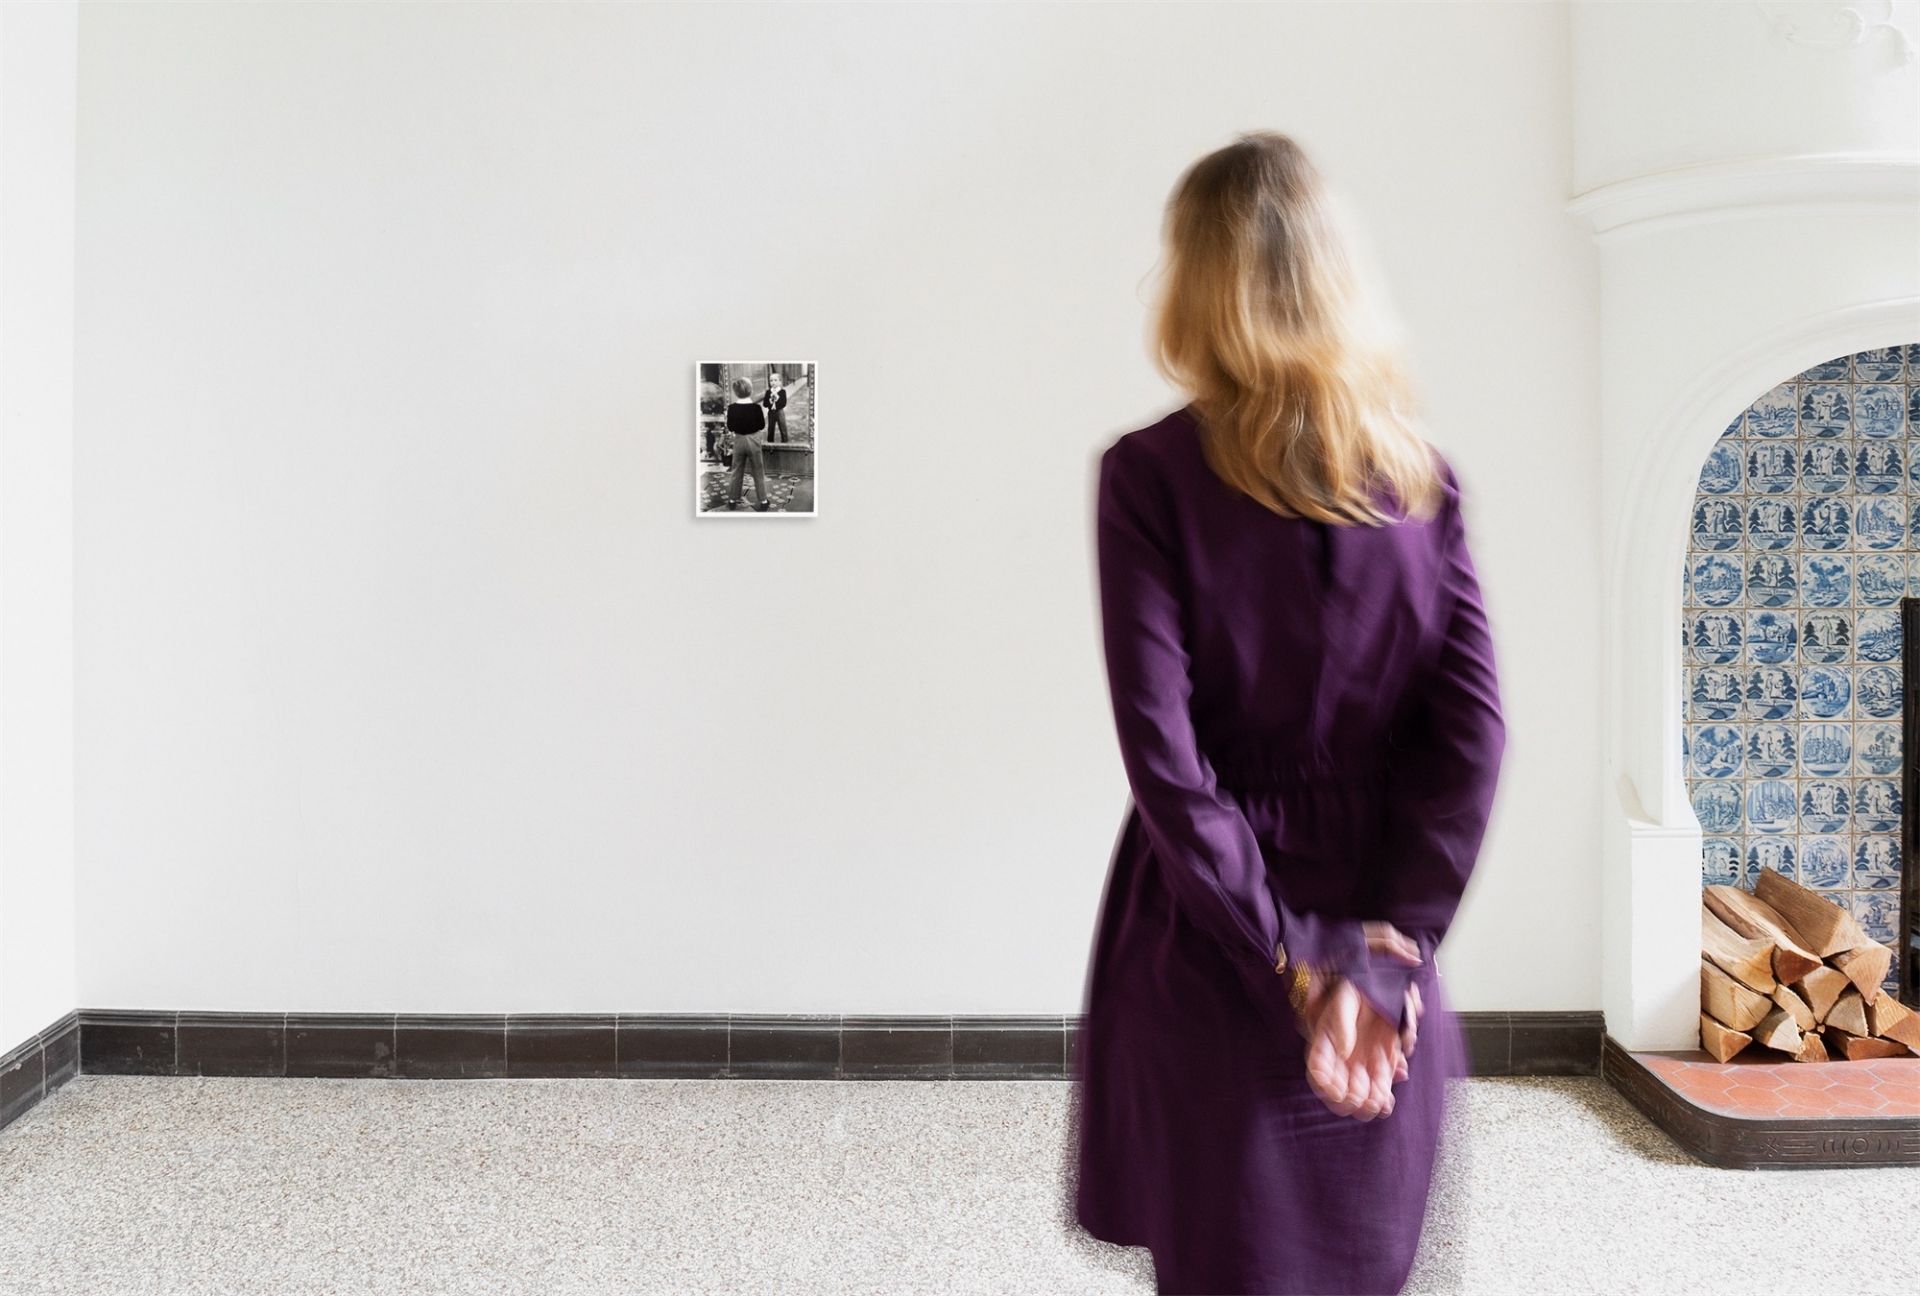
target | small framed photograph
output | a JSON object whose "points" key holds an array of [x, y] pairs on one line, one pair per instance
{"points": [[756, 430]]}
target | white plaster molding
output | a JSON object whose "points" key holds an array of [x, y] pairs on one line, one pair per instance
{"points": [[1643, 571], [1846, 26], [1757, 186]]}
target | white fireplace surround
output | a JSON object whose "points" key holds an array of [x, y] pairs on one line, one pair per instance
{"points": [[1727, 265]]}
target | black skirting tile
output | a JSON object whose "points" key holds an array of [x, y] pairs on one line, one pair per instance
{"points": [[792, 1047], [1489, 1037], [1556, 1043], [114, 1042], [342, 1045], [23, 1078], [902, 1048], [232, 1044], [63, 1053], [667, 1046], [540, 1045], [1009, 1048], [450, 1047]]}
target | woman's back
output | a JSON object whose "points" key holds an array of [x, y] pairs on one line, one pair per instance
{"points": [[1304, 635]]}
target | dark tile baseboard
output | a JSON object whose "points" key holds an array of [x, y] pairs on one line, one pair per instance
{"points": [[695, 1046], [38, 1066], [1759, 1143]]}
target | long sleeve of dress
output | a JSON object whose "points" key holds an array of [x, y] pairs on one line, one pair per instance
{"points": [[1446, 763], [1211, 858]]}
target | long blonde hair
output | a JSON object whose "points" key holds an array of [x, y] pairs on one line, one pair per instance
{"points": [[1303, 402]]}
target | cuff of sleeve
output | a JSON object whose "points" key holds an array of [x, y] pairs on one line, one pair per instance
{"points": [[1340, 949]]}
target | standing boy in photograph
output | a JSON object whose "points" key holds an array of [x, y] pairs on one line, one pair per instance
{"points": [[747, 422]]}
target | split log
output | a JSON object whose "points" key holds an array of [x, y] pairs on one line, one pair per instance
{"points": [[1820, 988], [1849, 1013], [1823, 926], [1866, 966], [1730, 1002], [1888, 1018], [1811, 1049], [1721, 1042], [1747, 959], [1753, 917], [1858, 1048], [1778, 1032], [1784, 997]]}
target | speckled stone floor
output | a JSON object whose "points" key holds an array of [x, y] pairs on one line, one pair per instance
{"points": [[136, 1186]]}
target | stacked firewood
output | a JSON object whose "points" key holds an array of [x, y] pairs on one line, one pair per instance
{"points": [[1784, 967]]}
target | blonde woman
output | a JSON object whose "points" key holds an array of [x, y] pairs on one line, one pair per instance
{"points": [[1303, 688]]}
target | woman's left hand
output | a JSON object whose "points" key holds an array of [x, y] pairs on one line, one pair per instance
{"points": [[1353, 1053]]}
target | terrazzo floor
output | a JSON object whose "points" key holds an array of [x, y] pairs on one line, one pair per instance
{"points": [[139, 1186]]}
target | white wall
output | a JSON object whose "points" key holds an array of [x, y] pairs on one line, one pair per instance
{"points": [[38, 45], [407, 680]]}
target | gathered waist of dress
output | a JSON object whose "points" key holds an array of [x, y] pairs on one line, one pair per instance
{"points": [[1253, 769]]}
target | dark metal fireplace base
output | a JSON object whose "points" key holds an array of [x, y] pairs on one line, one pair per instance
{"points": [[1755, 1115]]}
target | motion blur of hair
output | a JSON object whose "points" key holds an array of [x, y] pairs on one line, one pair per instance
{"points": [[1264, 322]]}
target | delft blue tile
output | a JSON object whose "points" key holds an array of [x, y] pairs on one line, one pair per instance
{"points": [[1771, 806], [1834, 370], [1877, 365], [1770, 580], [1876, 862], [1825, 410], [1826, 524], [1772, 467], [1774, 414], [1876, 806], [1771, 638], [1826, 580], [1880, 522], [1724, 469], [1771, 750], [1877, 749], [1825, 467], [1716, 694], [1880, 580], [1824, 804], [1877, 911], [1717, 523], [1715, 751], [1879, 411], [1826, 637], [1716, 638], [1877, 691], [1826, 692], [1771, 693], [1913, 412], [1718, 807], [1823, 862], [1716, 581], [1825, 749], [1774, 853], [1770, 524], [1720, 862], [1878, 468], [1879, 636]]}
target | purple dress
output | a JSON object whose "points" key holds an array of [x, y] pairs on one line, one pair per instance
{"points": [[1310, 725]]}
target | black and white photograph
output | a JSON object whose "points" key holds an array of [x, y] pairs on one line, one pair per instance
{"points": [[755, 436]]}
